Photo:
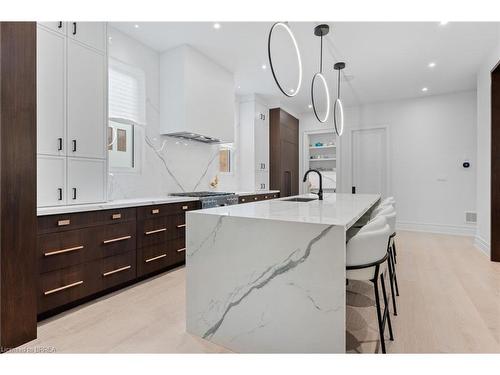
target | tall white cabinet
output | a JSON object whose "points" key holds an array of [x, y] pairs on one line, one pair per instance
{"points": [[254, 141], [71, 112]]}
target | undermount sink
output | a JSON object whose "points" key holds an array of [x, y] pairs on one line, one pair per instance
{"points": [[300, 199]]}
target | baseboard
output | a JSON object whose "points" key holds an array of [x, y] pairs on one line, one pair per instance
{"points": [[437, 228], [482, 245]]}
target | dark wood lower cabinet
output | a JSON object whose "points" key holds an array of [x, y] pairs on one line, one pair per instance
{"points": [[83, 255]]}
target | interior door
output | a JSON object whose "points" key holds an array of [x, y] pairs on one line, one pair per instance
{"points": [[86, 90], [369, 161]]}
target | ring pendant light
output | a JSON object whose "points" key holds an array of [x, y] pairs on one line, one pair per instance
{"points": [[294, 91], [321, 31], [338, 108]]}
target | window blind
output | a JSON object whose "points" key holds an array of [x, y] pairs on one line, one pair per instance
{"points": [[127, 93]]}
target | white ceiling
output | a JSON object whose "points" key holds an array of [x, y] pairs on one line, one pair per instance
{"points": [[385, 60]]}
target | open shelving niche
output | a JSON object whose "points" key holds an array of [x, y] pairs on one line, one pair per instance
{"points": [[321, 157]]}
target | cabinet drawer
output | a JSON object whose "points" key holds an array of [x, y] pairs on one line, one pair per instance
{"points": [[119, 215], [112, 239], [63, 222], [152, 231], [112, 271], [154, 258], [60, 287], [177, 226], [148, 212], [248, 198], [61, 250], [178, 249]]}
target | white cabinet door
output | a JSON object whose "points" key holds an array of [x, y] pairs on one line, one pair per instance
{"points": [[86, 102], [51, 180], [86, 179], [261, 138], [92, 34], [51, 101], [58, 26]]}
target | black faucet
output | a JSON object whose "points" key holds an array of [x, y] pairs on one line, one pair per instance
{"points": [[320, 191]]}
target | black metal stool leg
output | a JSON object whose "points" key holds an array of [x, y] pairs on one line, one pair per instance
{"points": [[394, 249], [394, 267], [387, 313], [391, 281], [379, 315]]}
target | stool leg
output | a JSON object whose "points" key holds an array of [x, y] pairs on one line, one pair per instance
{"points": [[379, 315], [394, 267], [387, 313], [391, 281], [394, 248]]}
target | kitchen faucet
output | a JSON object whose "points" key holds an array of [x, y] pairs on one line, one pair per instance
{"points": [[320, 191]]}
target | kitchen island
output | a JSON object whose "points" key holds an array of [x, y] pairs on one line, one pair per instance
{"points": [[269, 277]]}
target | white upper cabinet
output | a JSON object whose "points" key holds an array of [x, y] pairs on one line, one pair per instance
{"points": [[86, 180], [51, 175], [51, 102], [92, 34], [58, 26], [86, 102], [196, 95]]}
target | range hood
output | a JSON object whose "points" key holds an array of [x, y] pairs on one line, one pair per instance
{"points": [[195, 137], [197, 97]]}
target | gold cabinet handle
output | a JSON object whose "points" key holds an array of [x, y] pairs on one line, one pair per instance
{"points": [[181, 250], [255, 198], [181, 226], [155, 231], [155, 211], [116, 271], [117, 239], [62, 223], [184, 207], [155, 258], [116, 216], [69, 249], [265, 197], [63, 288], [243, 199]]}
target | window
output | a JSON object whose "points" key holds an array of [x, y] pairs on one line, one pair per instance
{"points": [[127, 102], [225, 159]]}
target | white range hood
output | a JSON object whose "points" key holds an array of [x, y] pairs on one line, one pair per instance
{"points": [[196, 97]]}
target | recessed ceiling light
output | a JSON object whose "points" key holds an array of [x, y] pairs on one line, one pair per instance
{"points": [[431, 65], [239, 86], [310, 106], [136, 26], [443, 23], [264, 66], [425, 89], [216, 26]]}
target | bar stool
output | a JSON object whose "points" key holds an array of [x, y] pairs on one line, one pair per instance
{"points": [[389, 213], [366, 261]]}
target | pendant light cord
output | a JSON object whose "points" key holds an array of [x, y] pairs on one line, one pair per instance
{"points": [[321, 56], [338, 86]]}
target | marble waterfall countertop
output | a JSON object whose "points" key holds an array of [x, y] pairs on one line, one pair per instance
{"points": [[335, 209], [269, 276]]}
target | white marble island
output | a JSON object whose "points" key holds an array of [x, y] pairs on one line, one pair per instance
{"points": [[269, 277]]}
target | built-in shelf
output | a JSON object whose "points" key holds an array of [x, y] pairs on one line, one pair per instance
{"points": [[323, 159], [321, 147]]}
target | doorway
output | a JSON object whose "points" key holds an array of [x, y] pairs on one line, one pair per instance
{"points": [[369, 161]]}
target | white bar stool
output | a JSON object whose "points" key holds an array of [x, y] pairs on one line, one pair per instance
{"points": [[366, 258], [389, 213]]}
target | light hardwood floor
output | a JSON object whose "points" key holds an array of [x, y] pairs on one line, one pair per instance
{"points": [[449, 302]]}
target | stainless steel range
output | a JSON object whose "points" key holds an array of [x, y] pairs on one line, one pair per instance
{"points": [[210, 199]]}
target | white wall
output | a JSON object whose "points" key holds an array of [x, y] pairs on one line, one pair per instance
{"points": [[429, 138], [168, 165]]}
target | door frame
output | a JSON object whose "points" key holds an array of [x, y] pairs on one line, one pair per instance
{"points": [[388, 164], [495, 165]]}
